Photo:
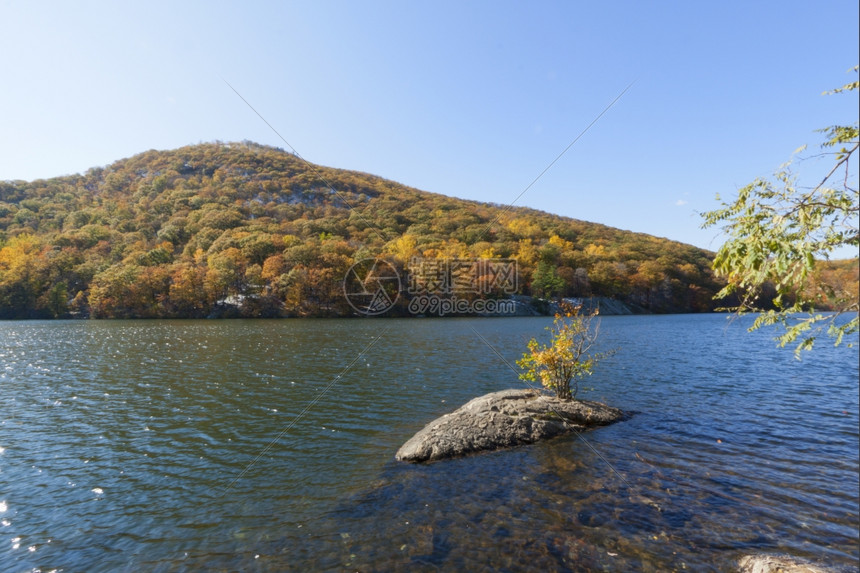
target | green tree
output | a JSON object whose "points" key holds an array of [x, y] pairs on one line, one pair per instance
{"points": [[546, 282], [779, 236], [567, 358]]}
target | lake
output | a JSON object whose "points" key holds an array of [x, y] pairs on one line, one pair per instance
{"points": [[269, 446]]}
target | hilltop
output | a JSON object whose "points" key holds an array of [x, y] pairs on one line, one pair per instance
{"points": [[176, 233]]}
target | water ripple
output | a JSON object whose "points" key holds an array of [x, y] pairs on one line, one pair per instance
{"points": [[118, 441]]}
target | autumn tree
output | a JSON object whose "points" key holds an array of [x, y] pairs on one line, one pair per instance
{"points": [[18, 288], [187, 281], [567, 358], [780, 233], [171, 233]]}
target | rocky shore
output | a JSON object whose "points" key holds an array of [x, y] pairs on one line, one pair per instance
{"points": [[778, 564]]}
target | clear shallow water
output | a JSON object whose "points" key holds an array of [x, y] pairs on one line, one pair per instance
{"points": [[174, 445]]}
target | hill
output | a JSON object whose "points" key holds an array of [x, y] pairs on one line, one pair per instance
{"points": [[177, 233]]}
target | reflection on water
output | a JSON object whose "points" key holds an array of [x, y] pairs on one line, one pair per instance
{"points": [[121, 444]]}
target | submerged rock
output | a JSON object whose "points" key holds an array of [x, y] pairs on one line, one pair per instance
{"points": [[777, 564], [503, 419]]}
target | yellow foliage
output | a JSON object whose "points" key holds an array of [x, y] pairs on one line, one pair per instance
{"points": [[489, 253], [527, 253], [454, 249], [524, 228], [560, 364], [562, 244], [19, 251], [598, 251], [403, 248]]}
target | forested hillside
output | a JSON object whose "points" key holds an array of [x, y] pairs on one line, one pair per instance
{"points": [[176, 233]]}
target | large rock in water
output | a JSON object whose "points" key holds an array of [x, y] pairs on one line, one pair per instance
{"points": [[777, 564], [503, 419]]}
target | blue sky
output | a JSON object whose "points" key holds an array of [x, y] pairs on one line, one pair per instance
{"points": [[469, 99]]}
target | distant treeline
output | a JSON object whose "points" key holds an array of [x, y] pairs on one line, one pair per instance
{"points": [[178, 233]]}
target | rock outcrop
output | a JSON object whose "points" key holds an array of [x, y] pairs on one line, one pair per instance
{"points": [[501, 420], [777, 564]]}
